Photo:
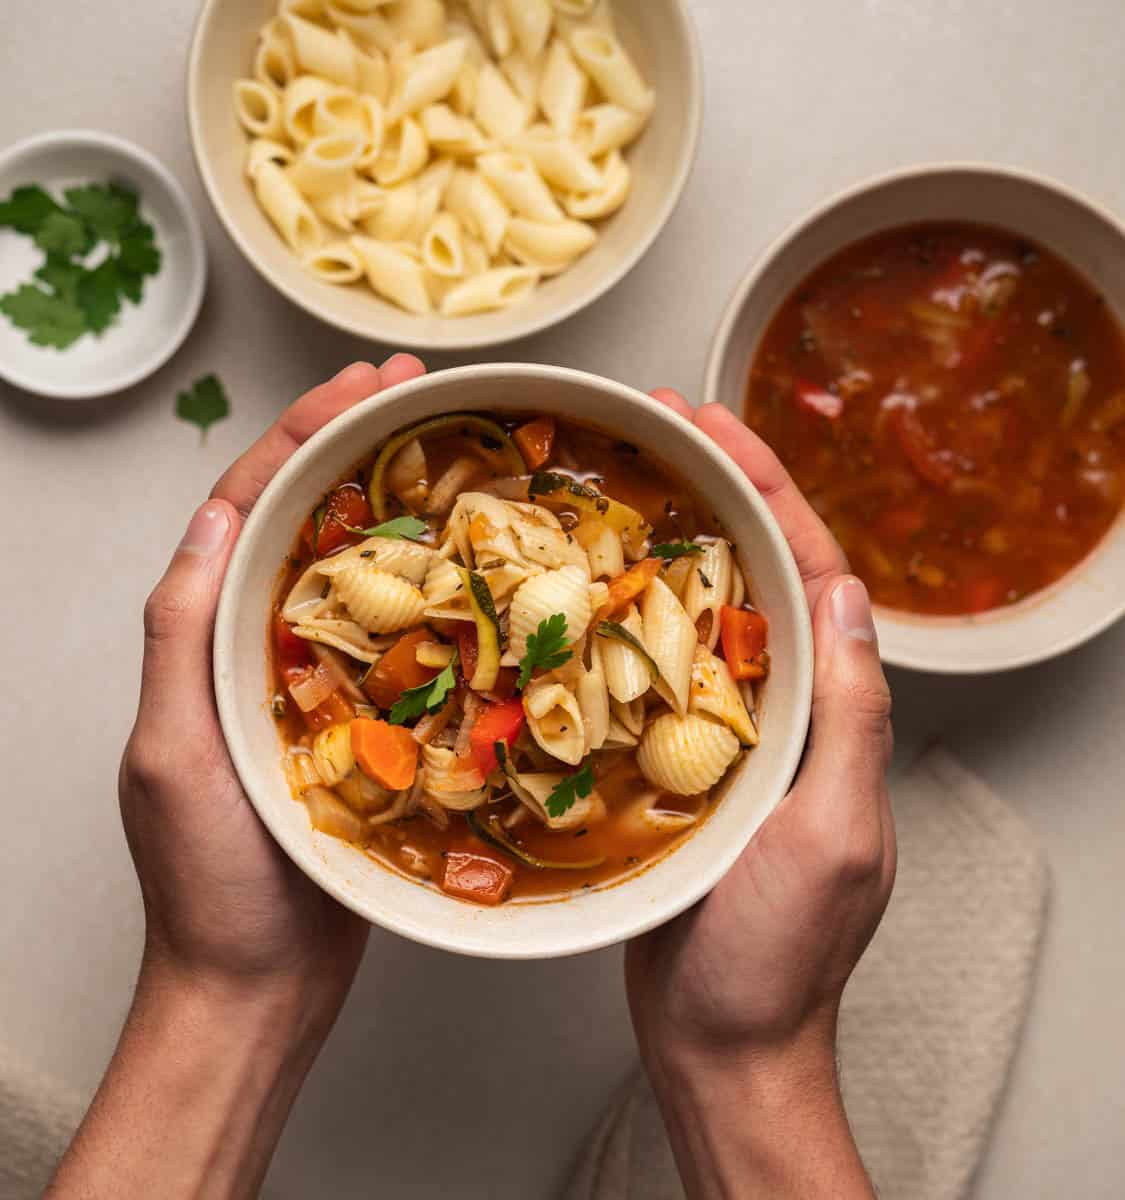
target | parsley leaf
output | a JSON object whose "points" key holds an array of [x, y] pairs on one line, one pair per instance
{"points": [[410, 528], [671, 550], [62, 233], [546, 648], [205, 403], [26, 209], [61, 276], [97, 295], [139, 255], [50, 320], [429, 697], [108, 209], [569, 789]]}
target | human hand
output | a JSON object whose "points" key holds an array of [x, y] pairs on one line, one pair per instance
{"points": [[223, 904], [746, 987]]}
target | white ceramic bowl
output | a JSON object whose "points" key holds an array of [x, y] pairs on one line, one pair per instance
{"points": [[145, 335], [1091, 596], [589, 919], [658, 33]]}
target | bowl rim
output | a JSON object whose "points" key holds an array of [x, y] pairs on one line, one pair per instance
{"points": [[722, 340], [642, 918], [193, 296], [516, 330]]}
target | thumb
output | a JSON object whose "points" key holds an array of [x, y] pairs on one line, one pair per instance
{"points": [[843, 781], [180, 616]]}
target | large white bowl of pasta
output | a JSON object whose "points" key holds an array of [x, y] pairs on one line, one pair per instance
{"points": [[620, 769], [444, 174]]}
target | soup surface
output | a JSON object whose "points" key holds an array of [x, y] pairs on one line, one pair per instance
{"points": [[951, 399], [513, 658]]}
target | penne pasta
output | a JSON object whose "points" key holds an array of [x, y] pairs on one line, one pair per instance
{"points": [[558, 159], [520, 185], [709, 586], [605, 200], [606, 127], [405, 151], [263, 150], [494, 289], [298, 107], [628, 676], [394, 274], [427, 78], [605, 60], [336, 262], [390, 212], [327, 164], [420, 23], [548, 246], [289, 211], [442, 248], [555, 720], [448, 133], [326, 54], [562, 88], [496, 107], [669, 637], [523, 74], [530, 22], [274, 64], [473, 200]]}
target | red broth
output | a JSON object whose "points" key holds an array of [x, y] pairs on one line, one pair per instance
{"points": [[951, 399]]}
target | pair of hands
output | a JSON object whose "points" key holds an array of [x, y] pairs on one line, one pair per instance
{"points": [[750, 978]]}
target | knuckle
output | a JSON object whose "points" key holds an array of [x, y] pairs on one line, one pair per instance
{"points": [[859, 858], [871, 703], [142, 766], [164, 613]]}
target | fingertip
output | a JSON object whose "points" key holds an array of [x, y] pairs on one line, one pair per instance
{"points": [[399, 368], [716, 416], [360, 378], [672, 399]]}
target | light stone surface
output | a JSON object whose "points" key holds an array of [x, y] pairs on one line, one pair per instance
{"points": [[451, 1077]]}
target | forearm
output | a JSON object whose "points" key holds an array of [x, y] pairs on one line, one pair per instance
{"points": [[759, 1124], [196, 1095]]}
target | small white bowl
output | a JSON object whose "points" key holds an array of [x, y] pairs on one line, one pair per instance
{"points": [[591, 919], [1090, 597], [660, 36], [144, 336]]}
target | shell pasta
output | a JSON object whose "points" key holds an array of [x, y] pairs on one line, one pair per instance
{"points": [[474, 140], [513, 643]]}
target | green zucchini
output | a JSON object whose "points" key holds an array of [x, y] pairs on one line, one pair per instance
{"points": [[488, 631], [611, 629], [506, 449], [491, 834]]}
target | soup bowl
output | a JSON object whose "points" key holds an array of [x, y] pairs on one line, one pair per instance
{"points": [[659, 36], [1088, 598], [585, 920]]}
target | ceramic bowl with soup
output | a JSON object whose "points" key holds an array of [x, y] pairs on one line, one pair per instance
{"points": [[939, 361], [498, 676]]}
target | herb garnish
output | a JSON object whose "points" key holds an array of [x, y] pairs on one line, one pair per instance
{"points": [[67, 298], [570, 789], [675, 549], [546, 648], [429, 697], [204, 403], [410, 528]]}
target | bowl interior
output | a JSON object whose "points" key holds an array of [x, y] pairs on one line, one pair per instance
{"points": [[589, 919], [144, 334], [1090, 597], [656, 32]]}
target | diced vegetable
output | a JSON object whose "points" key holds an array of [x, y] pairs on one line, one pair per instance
{"points": [[744, 636], [346, 506], [433, 654], [624, 589], [536, 441], [476, 877], [292, 651], [386, 753], [333, 711], [983, 593], [1078, 386], [611, 629], [332, 754], [900, 524], [487, 667], [502, 445], [919, 450], [500, 722], [812, 398], [311, 687], [491, 834], [561, 492], [399, 669], [329, 814]]}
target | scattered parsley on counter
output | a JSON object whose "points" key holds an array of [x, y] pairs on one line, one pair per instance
{"points": [[204, 403], [97, 250]]}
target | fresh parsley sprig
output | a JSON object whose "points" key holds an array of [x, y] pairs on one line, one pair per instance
{"points": [[429, 697], [570, 789], [410, 528], [672, 550], [204, 403], [546, 648]]}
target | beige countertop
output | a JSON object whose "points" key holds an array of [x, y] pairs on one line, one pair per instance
{"points": [[476, 1079]]}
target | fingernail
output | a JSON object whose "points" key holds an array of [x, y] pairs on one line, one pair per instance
{"points": [[207, 533], [851, 610]]}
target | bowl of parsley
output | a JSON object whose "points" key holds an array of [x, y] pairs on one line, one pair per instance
{"points": [[102, 264]]}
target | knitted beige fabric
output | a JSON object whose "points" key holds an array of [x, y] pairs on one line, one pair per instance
{"points": [[931, 1018]]}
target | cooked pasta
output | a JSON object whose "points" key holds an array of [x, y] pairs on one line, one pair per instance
{"points": [[469, 143], [469, 667]]}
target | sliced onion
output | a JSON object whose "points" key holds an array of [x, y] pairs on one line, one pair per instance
{"points": [[337, 667], [312, 689]]}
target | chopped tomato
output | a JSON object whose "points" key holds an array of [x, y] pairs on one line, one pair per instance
{"points": [[976, 345], [811, 397], [919, 450], [624, 589], [536, 441], [386, 753], [981, 594], [744, 636], [900, 524], [399, 670], [500, 722], [470, 875], [292, 651], [347, 505], [336, 710]]}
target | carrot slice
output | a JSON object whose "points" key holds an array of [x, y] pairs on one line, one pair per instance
{"points": [[386, 753], [744, 642], [476, 877], [399, 669], [624, 589], [536, 440]]}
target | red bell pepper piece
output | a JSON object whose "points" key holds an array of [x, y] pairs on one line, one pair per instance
{"points": [[499, 722]]}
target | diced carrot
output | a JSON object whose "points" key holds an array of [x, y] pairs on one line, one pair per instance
{"points": [[983, 593], [624, 589], [336, 710], [744, 636], [386, 753], [476, 877], [399, 669], [500, 722], [536, 440]]}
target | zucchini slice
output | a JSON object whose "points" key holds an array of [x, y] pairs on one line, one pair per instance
{"points": [[491, 834], [488, 630], [612, 629], [505, 448]]}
